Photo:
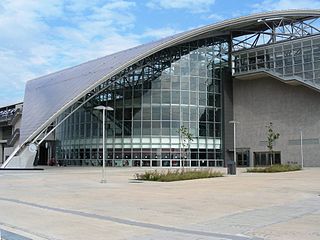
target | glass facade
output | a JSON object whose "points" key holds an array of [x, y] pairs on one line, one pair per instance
{"points": [[178, 86], [297, 58], [265, 158]]}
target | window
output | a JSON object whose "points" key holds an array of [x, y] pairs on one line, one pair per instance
{"points": [[178, 86], [264, 158]]}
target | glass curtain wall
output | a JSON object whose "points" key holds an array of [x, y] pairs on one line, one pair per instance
{"points": [[298, 58], [177, 86]]}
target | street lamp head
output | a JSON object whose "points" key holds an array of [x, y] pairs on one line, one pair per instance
{"points": [[234, 122], [100, 107], [109, 108], [104, 108]]}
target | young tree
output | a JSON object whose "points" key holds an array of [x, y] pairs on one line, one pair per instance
{"points": [[185, 138], [272, 136]]}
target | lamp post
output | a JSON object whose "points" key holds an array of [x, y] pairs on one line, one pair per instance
{"points": [[104, 109], [234, 143], [301, 148]]}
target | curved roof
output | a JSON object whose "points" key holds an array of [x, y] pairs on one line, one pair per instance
{"points": [[48, 96]]}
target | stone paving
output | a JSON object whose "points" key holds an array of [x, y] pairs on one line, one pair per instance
{"points": [[71, 203]]}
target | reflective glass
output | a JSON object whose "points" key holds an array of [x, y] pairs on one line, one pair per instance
{"points": [[150, 104]]}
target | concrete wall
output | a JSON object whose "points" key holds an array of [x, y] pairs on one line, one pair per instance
{"points": [[7, 152], [2, 145], [289, 108], [227, 115], [1, 153], [17, 125]]}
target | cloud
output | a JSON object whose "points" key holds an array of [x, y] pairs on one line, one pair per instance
{"points": [[13, 72], [195, 6], [269, 5], [119, 5], [160, 32], [216, 17], [39, 37]]}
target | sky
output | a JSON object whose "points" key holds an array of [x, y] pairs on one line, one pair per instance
{"points": [[38, 37]]}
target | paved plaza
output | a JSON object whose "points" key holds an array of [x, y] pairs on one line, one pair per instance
{"points": [[71, 203]]}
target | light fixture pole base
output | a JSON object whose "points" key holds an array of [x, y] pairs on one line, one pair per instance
{"points": [[103, 181]]}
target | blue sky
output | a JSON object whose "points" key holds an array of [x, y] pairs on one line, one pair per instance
{"points": [[42, 36]]}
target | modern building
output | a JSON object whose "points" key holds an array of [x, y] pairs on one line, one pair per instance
{"points": [[10, 121], [254, 70]]}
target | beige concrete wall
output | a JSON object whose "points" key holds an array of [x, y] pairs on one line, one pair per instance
{"points": [[290, 108], [17, 125], [7, 152], [1, 154]]}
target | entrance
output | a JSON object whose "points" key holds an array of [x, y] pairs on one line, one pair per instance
{"points": [[243, 157], [46, 154]]}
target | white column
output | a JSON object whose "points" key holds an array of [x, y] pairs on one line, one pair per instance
{"points": [[103, 180], [301, 148], [234, 144]]}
